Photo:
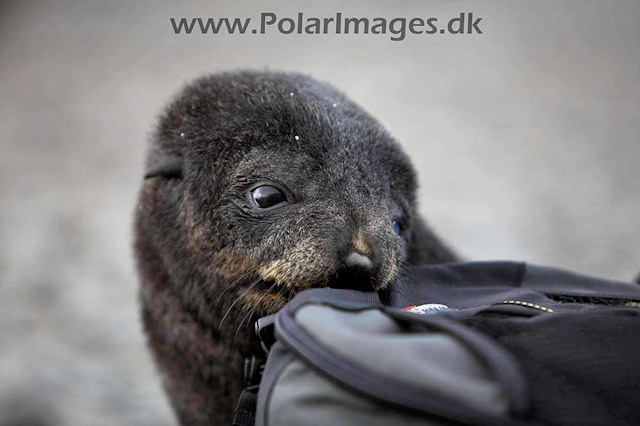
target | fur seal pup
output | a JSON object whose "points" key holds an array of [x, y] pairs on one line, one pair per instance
{"points": [[259, 185]]}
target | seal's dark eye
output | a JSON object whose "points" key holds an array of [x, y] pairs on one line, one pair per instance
{"points": [[398, 225], [267, 196]]}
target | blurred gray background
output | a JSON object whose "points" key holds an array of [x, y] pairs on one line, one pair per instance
{"points": [[525, 138]]}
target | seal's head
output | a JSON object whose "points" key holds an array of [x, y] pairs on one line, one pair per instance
{"points": [[280, 183], [259, 185]]}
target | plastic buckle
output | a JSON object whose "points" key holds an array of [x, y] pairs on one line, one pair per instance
{"points": [[265, 330], [253, 369]]}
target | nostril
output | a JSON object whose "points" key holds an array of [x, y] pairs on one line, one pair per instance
{"points": [[357, 271], [359, 261]]}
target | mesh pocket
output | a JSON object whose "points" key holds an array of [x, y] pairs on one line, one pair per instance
{"points": [[592, 300]]}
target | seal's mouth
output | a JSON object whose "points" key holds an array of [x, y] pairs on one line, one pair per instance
{"points": [[268, 297]]}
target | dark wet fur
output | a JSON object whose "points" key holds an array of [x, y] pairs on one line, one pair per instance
{"points": [[200, 245]]}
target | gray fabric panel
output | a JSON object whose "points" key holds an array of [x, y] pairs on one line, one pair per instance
{"points": [[433, 363], [305, 398], [276, 362]]}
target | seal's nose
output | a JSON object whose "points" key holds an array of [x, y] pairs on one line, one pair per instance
{"points": [[357, 261], [356, 272]]}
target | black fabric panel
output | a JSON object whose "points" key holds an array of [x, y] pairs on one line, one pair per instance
{"points": [[582, 367], [470, 274], [555, 280]]}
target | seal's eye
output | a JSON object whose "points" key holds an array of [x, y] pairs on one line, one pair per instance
{"points": [[398, 225], [267, 196]]}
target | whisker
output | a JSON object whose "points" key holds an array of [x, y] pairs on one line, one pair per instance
{"points": [[404, 291], [236, 301], [252, 311], [244, 293], [408, 263], [281, 293], [272, 307], [235, 282]]}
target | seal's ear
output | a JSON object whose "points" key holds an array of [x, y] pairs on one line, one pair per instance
{"points": [[171, 169]]}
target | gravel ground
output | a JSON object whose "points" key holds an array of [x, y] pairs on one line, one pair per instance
{"points": [[525, 137]]}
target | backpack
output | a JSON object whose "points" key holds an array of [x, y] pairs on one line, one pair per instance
{"points": [[481, 343]]}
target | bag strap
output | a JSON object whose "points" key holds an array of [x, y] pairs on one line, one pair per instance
{"points": [[245, 412]]}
